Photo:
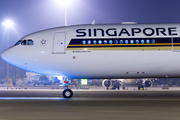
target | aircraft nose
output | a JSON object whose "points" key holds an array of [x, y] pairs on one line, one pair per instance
{"points": [[7, 55]]}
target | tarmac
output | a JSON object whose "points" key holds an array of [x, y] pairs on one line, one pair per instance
{"points": [[95, 104]]}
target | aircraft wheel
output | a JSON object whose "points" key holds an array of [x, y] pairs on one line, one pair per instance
{"points": [[142, 87], [67, 93], [139, 87]]}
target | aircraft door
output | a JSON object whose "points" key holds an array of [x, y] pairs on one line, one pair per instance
{"points": [[59, 43]]}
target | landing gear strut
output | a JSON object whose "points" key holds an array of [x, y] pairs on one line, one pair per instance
{"points": [[67, 93], [140, 85]]}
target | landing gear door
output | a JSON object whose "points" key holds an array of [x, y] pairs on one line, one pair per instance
{"points": [[59, 43]]}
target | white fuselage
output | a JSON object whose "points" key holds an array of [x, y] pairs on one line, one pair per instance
{"points": [[52, 53]]}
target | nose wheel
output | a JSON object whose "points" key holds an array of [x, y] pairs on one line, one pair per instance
{"points": [[67, 93]]}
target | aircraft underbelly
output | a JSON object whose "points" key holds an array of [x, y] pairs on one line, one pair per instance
{"points": [[115, 64]]}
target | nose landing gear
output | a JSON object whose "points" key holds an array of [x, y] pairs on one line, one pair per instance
{"points": [[67, 93]]}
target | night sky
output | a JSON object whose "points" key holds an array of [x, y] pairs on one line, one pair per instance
{"points": [[34, 15]]}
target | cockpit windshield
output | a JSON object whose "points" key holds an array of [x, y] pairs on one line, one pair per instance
{"points": [[25, 42], [18, 42]]}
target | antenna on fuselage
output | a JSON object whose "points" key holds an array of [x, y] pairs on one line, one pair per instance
{"points": [[93, 22]]}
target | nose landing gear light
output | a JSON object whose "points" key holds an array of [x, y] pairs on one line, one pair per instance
{"points": [[67, 93]]}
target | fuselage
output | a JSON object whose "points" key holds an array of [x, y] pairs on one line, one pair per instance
{"points": [[100, 51]]}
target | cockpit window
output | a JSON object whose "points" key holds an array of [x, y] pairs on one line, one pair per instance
{"points": [[27, 42], [18, 42], [30, 42], [23, 42]]}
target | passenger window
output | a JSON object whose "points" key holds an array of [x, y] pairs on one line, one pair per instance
{"points": [[126, 41], [137, 41], [116, 42], [105, 41], [83, 42], [153, 41], [18, 42], [94, 41], [147, 41], [142, 41], [23, 42], [89, 42], [121, 41], [110, 42], [100, 42], [132, 41], [30, 42]]}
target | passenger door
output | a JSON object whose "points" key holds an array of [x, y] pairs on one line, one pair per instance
{"points": [[59, 43]]}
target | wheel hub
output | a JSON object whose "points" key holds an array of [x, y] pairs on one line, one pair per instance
{"points": [[67, 93]]}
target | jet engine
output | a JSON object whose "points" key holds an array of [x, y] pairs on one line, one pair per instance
{"points": [[148, 83], [106, 83]]}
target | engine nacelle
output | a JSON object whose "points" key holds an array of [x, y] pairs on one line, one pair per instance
{"points": [[106, 83], [148, 83]]}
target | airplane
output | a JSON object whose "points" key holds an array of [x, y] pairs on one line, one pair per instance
{"points": [[100, 51], [115, 83]]}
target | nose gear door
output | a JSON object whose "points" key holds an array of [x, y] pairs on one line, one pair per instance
{"points": [[59, 43]]}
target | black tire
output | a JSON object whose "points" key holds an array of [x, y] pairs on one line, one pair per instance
{"points": [[139, 87], [142, 87], [67, 93], [107, 83]]}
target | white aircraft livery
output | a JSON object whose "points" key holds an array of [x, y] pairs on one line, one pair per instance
{"points": [[102, 51]]}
